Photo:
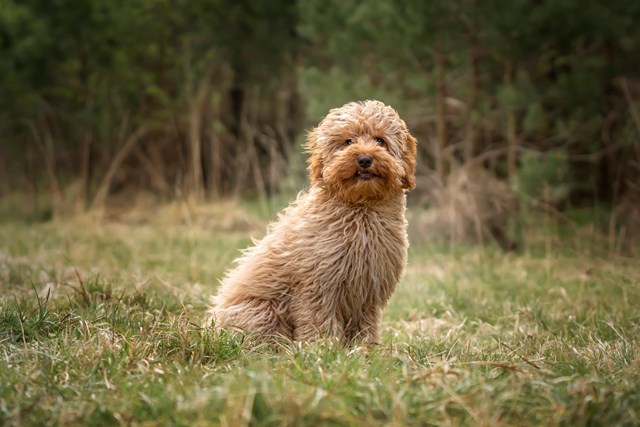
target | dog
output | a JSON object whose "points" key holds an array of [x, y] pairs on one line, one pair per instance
{"points": [[328, 266]]}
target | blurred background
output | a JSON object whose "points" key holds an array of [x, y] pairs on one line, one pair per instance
{"points": [[523, 109]]}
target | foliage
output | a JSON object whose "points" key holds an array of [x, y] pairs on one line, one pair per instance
{"points": [[554, 63], [543, 177], [218, 87], [95, 72]]}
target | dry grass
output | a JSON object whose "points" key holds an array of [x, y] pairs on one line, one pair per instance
{"points": [[472, 206]]}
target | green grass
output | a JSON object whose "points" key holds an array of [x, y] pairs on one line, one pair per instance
{"points": [[99, 325]]}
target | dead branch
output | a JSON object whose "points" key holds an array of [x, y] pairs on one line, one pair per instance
{"points": [[129, 145]]}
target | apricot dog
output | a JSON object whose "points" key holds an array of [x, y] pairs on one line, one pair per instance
{"points": [[328, 266]]}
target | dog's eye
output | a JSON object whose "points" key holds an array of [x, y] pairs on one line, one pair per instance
{"points": [[379, 141], [349, 141]]}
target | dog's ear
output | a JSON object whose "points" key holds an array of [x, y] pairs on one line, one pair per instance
{"points": [[409, 160], [315, 162]]}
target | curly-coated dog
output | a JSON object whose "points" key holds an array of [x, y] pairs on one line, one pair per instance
{"points": [[328, 266]]}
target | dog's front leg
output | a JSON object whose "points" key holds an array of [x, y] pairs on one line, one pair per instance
{"points": [[368, 332]]}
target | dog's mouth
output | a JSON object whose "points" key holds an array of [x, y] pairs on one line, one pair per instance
{"points": [[366, 176]]}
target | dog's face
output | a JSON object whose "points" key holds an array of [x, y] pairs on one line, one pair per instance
{"points": [[362, 152]]}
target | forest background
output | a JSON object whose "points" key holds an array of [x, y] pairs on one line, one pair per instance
{"points": [[519, 105]]}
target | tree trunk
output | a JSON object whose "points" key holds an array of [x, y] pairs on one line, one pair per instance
{"points": [[85, 171], [471, 142], [47, 150], [195, 141], [512, 129], [442, 165]]}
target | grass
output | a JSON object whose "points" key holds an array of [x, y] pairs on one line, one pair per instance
{"points": [[100, 325]]}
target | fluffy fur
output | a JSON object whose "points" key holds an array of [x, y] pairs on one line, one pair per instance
{"points": [[328, 266]]}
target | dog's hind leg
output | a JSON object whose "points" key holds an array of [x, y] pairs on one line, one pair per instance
{"points": [[313, 331], [310, 324], [264, 317]]}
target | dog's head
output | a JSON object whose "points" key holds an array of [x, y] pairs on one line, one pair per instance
{"points": [[362, 152]]}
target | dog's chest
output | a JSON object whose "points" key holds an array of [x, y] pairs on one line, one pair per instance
{"points": [[367, 257]]}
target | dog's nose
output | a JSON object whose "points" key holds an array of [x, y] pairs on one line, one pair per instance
{"points": [[365, 161]]}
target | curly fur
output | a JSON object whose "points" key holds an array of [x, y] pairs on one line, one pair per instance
{"points": [[328, 266]]}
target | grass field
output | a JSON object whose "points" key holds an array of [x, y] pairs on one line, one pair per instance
{"points": [[100, 325]]}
